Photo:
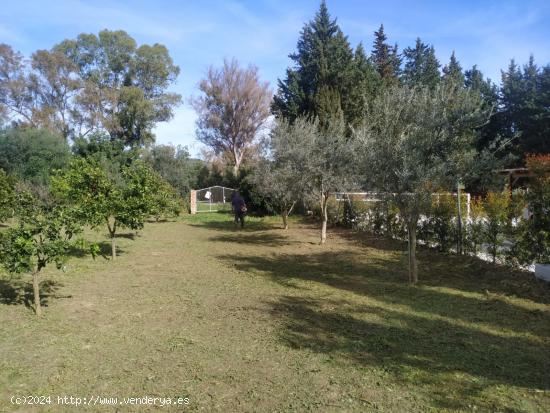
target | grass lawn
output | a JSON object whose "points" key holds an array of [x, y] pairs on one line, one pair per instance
{"points": [[268, 320]]}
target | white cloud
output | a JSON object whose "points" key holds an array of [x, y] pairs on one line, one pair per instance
{"points": [[180, 130]]}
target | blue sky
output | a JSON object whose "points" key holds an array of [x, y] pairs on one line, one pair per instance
{"points": [[264, 32]]}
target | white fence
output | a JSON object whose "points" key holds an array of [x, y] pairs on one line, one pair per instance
{"points": [[377, 197]]}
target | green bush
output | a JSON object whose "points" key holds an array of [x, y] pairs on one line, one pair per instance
{"points": [[440, 227], [533, 240], [473, 229], [7, 196], [32, 155], [496, 207], [335, 211]]}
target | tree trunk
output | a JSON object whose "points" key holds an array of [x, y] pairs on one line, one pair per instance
{"points": [[324, 215], [238, 160], [113, 247], [36, 291], [285, 219], [413, 267], [112, 233]]}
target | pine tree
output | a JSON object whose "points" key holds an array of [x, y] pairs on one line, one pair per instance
{"points": [[366, 83], [385, 58], [323, 69], [421, 65], [414, 63], [432, 76], [533, 114], [452, 72]]}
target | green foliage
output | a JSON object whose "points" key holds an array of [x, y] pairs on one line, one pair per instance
{"points": [[385, 58], [496, 207], [439, 228], [534, 233], [421, 65], [175, 166], [7, 196], [278, 185], [42, 236], [111, 154], [327, 80], [323, 158], [473, 229], [126, 85], [379, 217], [452, 72], [335, 212], [165, 200], [32, 155], [99, 199], [38, 240]]}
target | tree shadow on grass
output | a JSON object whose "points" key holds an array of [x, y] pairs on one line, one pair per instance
{"points": [[383, 281], [415, 350], [229, 225], [268, 239], [464, 272], [128, 235], [15, 291], [104, 250]]}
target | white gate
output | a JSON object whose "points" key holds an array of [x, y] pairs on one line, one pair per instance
{"points": [[212, 199]]}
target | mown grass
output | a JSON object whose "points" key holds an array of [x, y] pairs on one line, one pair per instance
{"points": [[263, 319]]}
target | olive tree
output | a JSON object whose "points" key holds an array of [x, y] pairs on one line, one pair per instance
{"points": [[414, 141], [279, 185], [125, 200], [318, 159], [41, 237]]}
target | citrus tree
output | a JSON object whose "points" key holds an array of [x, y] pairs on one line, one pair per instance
{"points": [[165, 200], [40, 238], [123, 200]]}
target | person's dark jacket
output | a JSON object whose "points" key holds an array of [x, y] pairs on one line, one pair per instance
{"points": [[238, 204]]}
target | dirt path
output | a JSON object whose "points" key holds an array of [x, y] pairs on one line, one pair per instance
{"points": [[199, 310]]}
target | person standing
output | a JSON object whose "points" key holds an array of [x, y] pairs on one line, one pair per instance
{"points": [[239, 208]]}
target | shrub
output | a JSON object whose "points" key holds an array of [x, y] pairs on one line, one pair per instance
{"points": [[473, 229], [496, 207], [440, 225], [533, 243], [7, 196], [354, 210], [335, 211]]}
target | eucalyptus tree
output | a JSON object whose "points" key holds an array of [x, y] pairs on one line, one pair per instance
{"points": [[232, 110], [417, 140], [94, 83]]}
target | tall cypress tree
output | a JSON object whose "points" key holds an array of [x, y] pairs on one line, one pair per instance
{"points": [[366, 83], [452, 72], [533, 113], [323, 70], [421, 65], [385, 58]]}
